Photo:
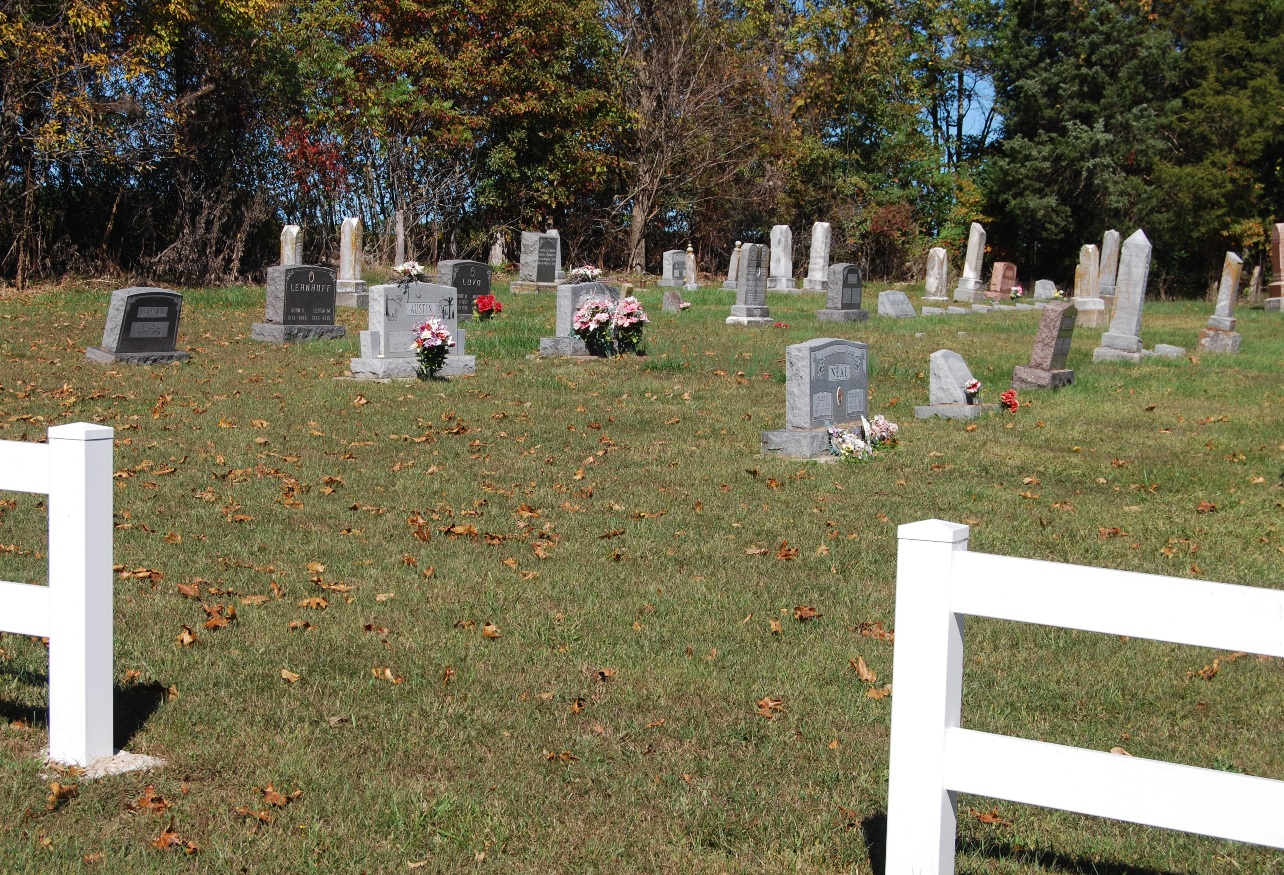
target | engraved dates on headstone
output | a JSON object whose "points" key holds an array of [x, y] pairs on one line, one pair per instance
{"points": [[309, 296], [149, 322], [546, 265], [851, 288]]}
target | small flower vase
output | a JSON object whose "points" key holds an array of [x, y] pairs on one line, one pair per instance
{"points": [[972, 397]]}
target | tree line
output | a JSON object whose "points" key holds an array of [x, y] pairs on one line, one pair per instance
{"points": [[172, 139]]}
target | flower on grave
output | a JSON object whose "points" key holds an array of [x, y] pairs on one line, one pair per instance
{"points": [[627, 320], [1060, 294], [485, 306], [1009, 400], [408, 270], [432, 344], [1017, 293], [592, 324], [855, 444], [973, 388], [780, 325], [686, 305], [586, 274]]}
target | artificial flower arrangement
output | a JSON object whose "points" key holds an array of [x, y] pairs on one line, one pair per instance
{"points": [[973, 391], [1017, 293], [1060, 294], [586, 274], [608, 328], [1009, 400], [432, 343], [409, 271], [486, 307], [857, 444]]}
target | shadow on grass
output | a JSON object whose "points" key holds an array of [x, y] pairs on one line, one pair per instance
{"points": [[132, 706], [874, 829]]}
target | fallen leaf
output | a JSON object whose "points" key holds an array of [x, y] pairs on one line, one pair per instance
{"points": [[991, 817], [1205, 507], [876, 694], [769, 707], [786, 552], [875, 631], [316, 603], [169, 840], [776, 628], [60, 794], [289, 676], [862, 670], [803, 613], [185, 638]]}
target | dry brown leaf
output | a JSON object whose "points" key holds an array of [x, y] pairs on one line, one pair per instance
{"points": [[289, 676], [875, 631], [490, 630], [786, 552], [769, 707], [862, 670], [185, 638], [776, 628], [316, 603], [60, 794], [876, 694], [803, 613]]}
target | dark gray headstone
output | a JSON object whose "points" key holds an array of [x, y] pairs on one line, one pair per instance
{"points": [[142, 319], [470, 278], [826, 382], [546, 263], [844, 287]]}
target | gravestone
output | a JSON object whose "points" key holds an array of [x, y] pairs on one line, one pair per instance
{"points": [[1108, 273], [826, 384], [750, 307], [569, 299], [1275, 291], [842, 295], [691, 278], [817, 279], [539, 264], [673, 268], [1220, 335], [1045, 290], [782, 259], [895, 304], [1255, 286], [300, 306], [1047, 368], [141, 328], [1094, 310], [733, 271], [938, 267], [396, 312], [557, 259], [471, 279], [350, 288], [1123, 341], [291, 245], [497, 256], [969, 287], [672, 302], [947, 398], [1003, 276]]}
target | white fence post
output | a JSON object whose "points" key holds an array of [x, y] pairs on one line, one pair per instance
{"points": [[80, 593], [927, 673]]}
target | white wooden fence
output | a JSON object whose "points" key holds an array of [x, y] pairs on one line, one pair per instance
{"points": [[932, 758], [75, 610]]}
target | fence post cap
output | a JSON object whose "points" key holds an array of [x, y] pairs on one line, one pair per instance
{"points": [[81, 431], [933, 530]]}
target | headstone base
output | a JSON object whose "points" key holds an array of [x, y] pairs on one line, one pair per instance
{"points": [[968, 291], [842, 315], [936, 302], [1273, 305], [351, 293], [1222, 323], [781, 284], [744, 314], [806, 443], [1109, 354], [1025, 306], [270, 332], [1093, 313], [811, 285], [1122, 342], [931, 311], [1024, 377], [1164, 351], [1213, 340], [981, 308], [100, 356], [953, 411], [408, 368], [958, 311], [527, 288], [751, 321], [1005, 306], [690, 287], [669, 283], [561, 347], [730, 285]]}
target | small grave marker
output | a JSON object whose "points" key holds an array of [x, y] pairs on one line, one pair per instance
{"points": [[1047, 368], [141, 328], [948, 396], [895, 304], [570, 297]]}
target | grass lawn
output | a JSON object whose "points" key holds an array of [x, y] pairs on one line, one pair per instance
{"points": [[531, 612]]}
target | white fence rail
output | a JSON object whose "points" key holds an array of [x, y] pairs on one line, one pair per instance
{"points": [[933, 758], [75, 610]]}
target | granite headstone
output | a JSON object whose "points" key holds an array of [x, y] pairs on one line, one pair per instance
{"points": [[750, 307], [471, 279], [300, 305], [396, 312], [141, 328], [1047, 368], [826, 383], [843, 295]]}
